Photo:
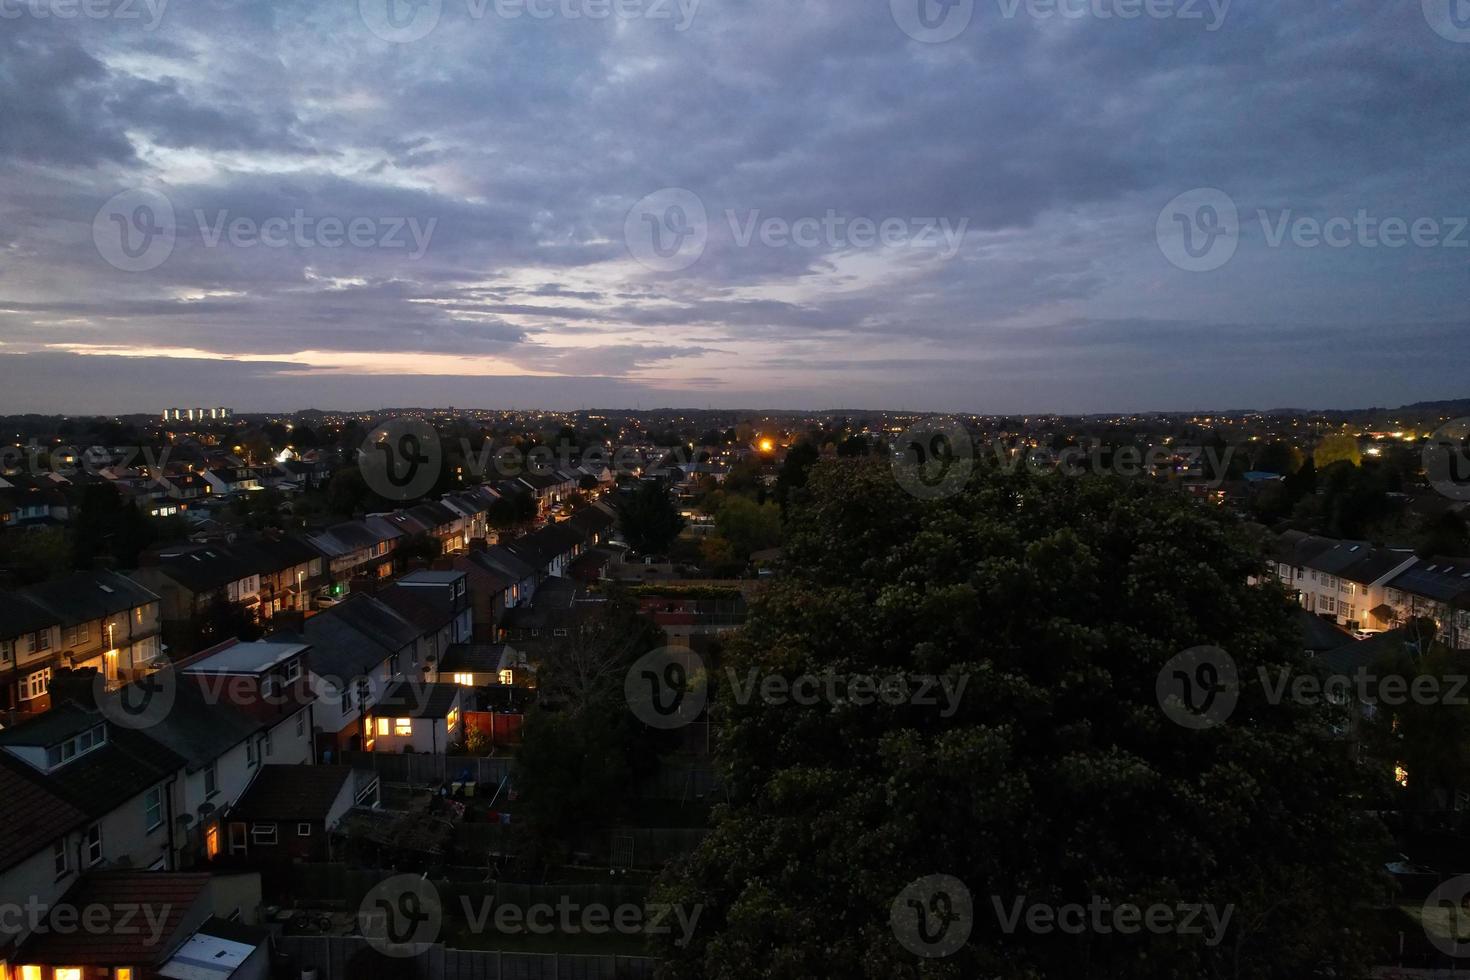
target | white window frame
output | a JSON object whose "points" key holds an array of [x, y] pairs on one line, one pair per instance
{"points": [[61, 858], [35, 684], [264, 833], [303, 830], [92, 842], [153, 799]]}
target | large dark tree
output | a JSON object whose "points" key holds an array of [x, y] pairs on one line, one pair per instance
{"points": [[648, 518], [582, 752], [1058, 778]]}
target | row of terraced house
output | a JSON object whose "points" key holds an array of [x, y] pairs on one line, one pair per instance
{"points": [[1370, 588]]}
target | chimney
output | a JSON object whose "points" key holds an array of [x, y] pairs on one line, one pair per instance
{"points": [[75, 685], [289, 621]]}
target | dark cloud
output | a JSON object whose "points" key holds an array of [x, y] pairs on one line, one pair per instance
{"points": [[518, 147]]}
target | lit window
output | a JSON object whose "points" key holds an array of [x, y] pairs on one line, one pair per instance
{"points": [[507, 677], [382, 726], [465, 680], [30, 973], [123, 973], [403, 726], [211, 841], [451, 721]]}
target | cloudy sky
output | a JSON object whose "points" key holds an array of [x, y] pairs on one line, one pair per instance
{"points": [[983, 205]]}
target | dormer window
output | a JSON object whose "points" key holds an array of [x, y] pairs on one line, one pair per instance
{"points": [[79, 745]]}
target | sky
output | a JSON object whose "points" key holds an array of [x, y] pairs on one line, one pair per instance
{"points": [[933, 205]]}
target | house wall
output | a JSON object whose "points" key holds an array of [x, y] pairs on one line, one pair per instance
{"points": [[337, 725], [1345, 601], [126, 840], [429, 735], [36, 876]]}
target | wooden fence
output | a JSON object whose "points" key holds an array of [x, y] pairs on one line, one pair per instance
{"points": [[683, 783]]}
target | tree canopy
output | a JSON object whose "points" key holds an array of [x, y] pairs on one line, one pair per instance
{"points": [[1058, 777]]}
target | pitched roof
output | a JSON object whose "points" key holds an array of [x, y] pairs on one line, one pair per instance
{"points": [[340, 652], [19, 615], [433, 514], [292, 793], [33, 816], [501, 558], [1439, 578], [350, 536], [209, 567], [540, 548], [480, 658], [412, 700], [104, 778], [374, 619], [198, 728], [421, 607], [1358, 561], [85, 596], [590, 520], [486, 579], [170, 897]]}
